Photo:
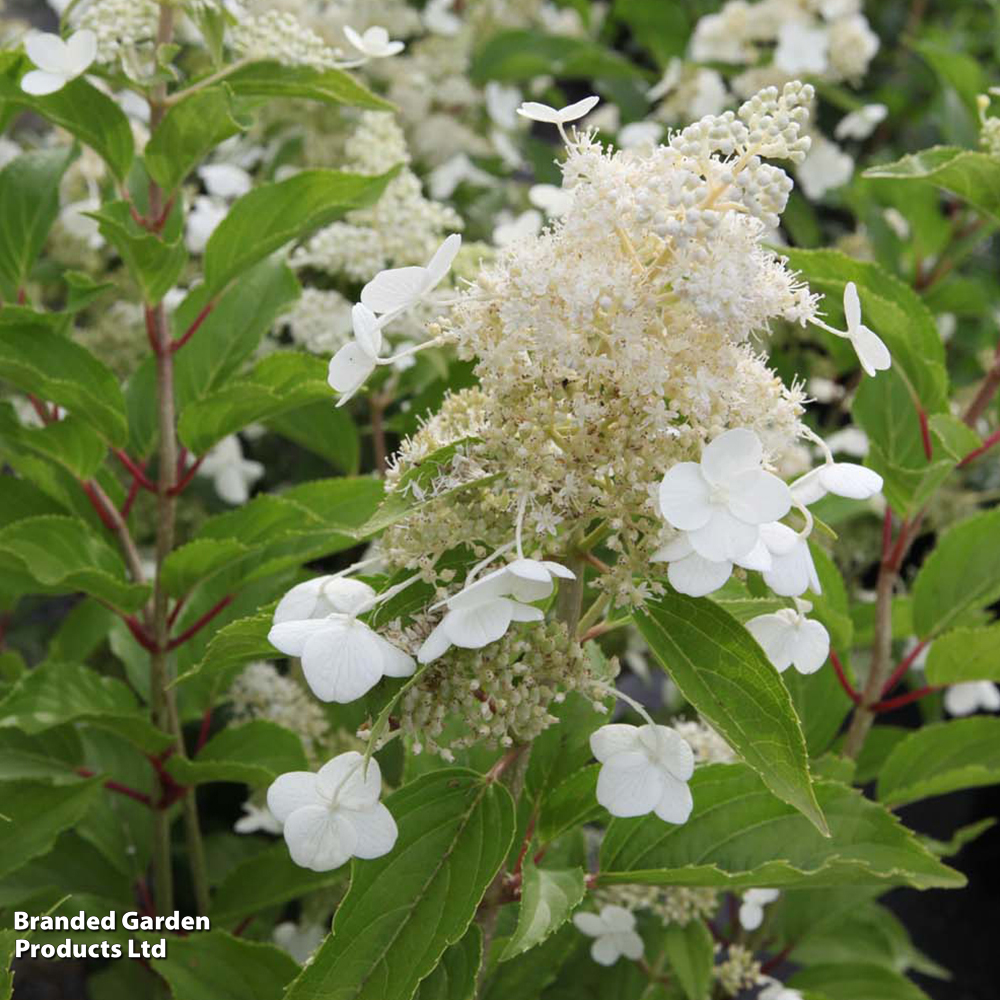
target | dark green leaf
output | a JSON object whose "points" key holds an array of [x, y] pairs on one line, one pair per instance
{"points": [[454, 977], [548, 897], [965, 654], [332, 86], [690, 951]]}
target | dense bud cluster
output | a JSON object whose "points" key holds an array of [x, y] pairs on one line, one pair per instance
{"points": [[678, 905]]}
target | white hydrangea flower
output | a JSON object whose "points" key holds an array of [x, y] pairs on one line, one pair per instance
{"points": [[871, 350], [843, 479], [225, 180], [825, 167], [690, 573], [58, 61], [401, 288], [861, 123], [203, 219], [232, 475], [439, 18], [643, 769], [776, 990], [849, 441], [792, 571], [791, 639], [445, 178], [614, 933], [562, 116], [721, 501], [752, 907], [971, 696], [374, 43], [300, 942], [334, 815], [352, 365], [802, 49], [323, 596], [257, 819]]}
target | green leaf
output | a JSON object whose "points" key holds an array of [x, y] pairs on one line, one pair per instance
{"points": [[960, 574], [238, 642], [80, 108], [278, 383], [332, 86], [690, 951], [268, 879], [35, 814], [740, 836], [940, 758], [275, 214], [29, 205], [189, 131], [254, 753], [725, 675], [56, 693], [528, 975], [973, 177], [454, 977], [663, 28], [327, 431], [548, 897], [213, 965], [59, 370], [70, 443], [154, 260], [856, 981], [403, 910], [62, 555], [570, 804], [965, 654]]}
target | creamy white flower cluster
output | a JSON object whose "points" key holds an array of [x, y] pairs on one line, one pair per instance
{"points": [[125, 30]]}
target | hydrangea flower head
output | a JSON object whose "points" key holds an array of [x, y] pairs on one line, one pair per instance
{"points": [[58, 61]]}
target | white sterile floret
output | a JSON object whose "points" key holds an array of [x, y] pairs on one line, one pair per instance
{"points": [[300, 942], [342, 658], [792, 571], [776, 990], [400, 288], [232, 475], [971, 696], [721, 501], [825, 168], [203, 219], [374, 43], [256, 819], [843, 479], [480, 614], [325, 595], [351, 366], [752, 907], [643, 769], [871, 350], [614, 932], [58, 61], [225, 180], [334, 815], [558, 116], [690, 573], [801, 50], [861, 123], [791, 639]]}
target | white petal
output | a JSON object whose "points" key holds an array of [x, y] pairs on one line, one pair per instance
{"points": [[292, 791], [350, 368], [290, 637], [486, 588], [394, 289], [751, 915], [676, 548], [435, 645], [759, 557], [346, 781], [731, 453], [761, 897], [574, 111], [778, 538], [366, 330], [344, 595], [871, 350], [605, 951], [395, 663], [342, 664], [319, 839], [557, 569], [758, 497], [614, 739], [376, 831], [809, 488], [616, 919], [355, 39], [962, 699], [629, 785], [696, 576], [589, 923], [672, 752], [475, 627], [774, 635], [724, 537], [525, 613], [811, 647], [48, 52], [852, 307], [676, 803], [684, 497], [440, 264], [630, 945], [81, 48], [40, 84], [989, 696], [793, 574], [538, 112], [846, 479], [299, 604]]}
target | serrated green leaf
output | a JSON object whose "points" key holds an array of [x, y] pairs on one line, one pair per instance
{"points": [[71, 443], [275, 214], [403, 910], [741, 836], [238, 642], [856, 981], [59, 370], [725, 675], [974, 177], [332, 86], [62, 555], [940, 758], [29, 204], [454, 977], [964, 654], [691, 953], [548, 897], [960, 574], [325, 430], [253, 753]]}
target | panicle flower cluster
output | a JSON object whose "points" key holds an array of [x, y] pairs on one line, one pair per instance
{"points": [[124, 28], [678, 905], [738, 971], [260, 692], [319, 321], [281, 36], [402, 227], [708, 746]]}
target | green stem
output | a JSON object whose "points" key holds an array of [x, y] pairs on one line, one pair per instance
{"points": [[208, 81]]}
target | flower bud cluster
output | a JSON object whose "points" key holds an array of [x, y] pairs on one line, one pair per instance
{"points": [[708, 746], [283, 37], [121, 26], [738, 971], [678, 905]]}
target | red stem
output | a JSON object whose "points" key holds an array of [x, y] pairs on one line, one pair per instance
{"points": [[775, 960], [206, 725], [242, 926], [98, 506], [905, 663], [200, 623], [925, 433], [133, 492], [151, 331], [138, 471], [117, 786], [981, 450], [41, 409], [904, 699], [139, 633], [528, 834], [172, 617], [193, 328], [842, 677], [185, 480]]}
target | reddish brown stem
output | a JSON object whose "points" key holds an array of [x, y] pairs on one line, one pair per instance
{"points": [[925, 434], [904, 699], [183, 483], [139, 633], [95, 502], [178, 605], [905, 664], [133, 492], [193, 328], [41, 409], [242, 926], [206, 725], [775, 960], [528, 834], [138, 471], [117, 786], [981, 450], [842, 677], [200, 623]]}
